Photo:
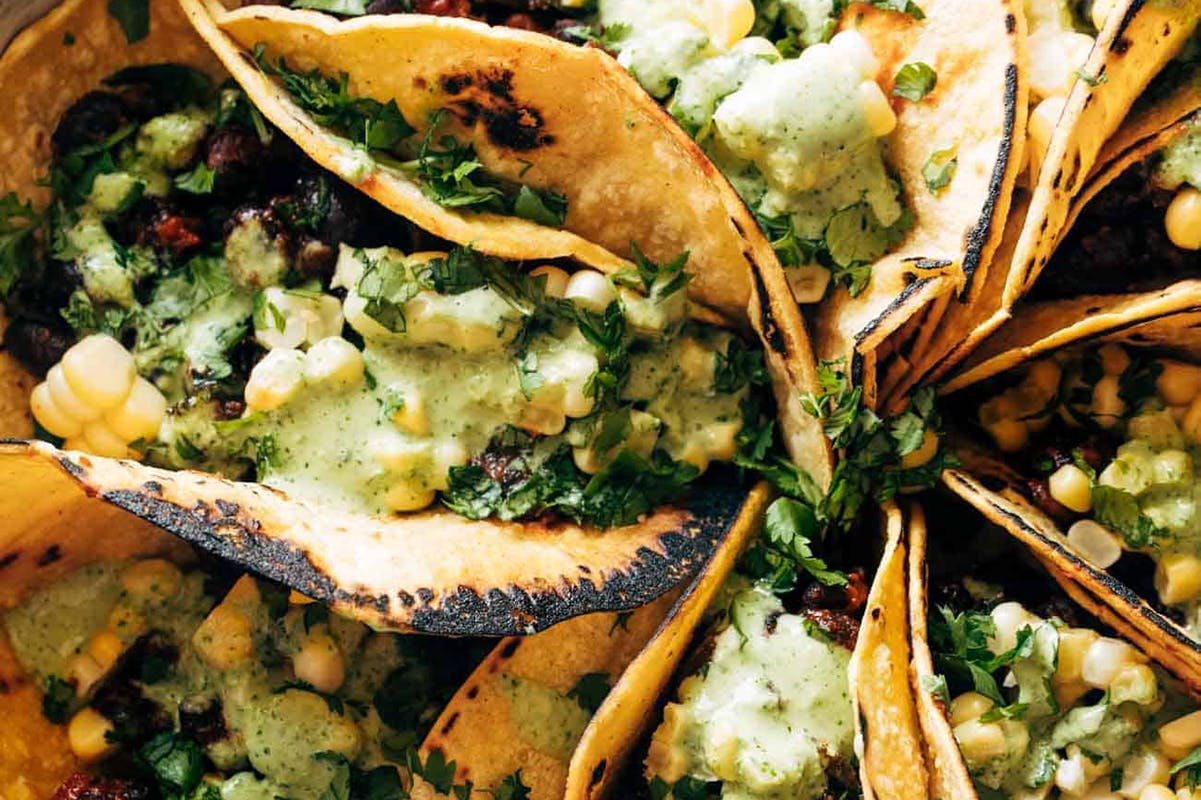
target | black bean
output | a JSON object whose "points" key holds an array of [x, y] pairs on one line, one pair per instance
{"points": [[202, 720], [37, 345], [91, 119]]}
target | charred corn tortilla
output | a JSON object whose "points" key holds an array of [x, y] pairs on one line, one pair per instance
{"points": [[958, 766], [254, 525], [1133, 46]]}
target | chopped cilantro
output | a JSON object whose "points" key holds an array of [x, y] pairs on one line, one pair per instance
{"points": [[655, 280], [1119, 510], [57, 699], [511, 788], [785, 549], [855, 238], [133, 16], [545, 208], [1091, 80], [381, 783], [199, 181], [737, 367], [937, 686], [914, 81], [345, 8], [622, 621], [959, 643], [18, 224], [266, 458], [1191, 765], [940, 168], [386, 285], [591, 690], [177, 763]]}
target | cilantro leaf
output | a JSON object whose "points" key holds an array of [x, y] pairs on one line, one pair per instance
{"points": [[959, 643], [386, 285], [591, 690], [176, 763], [511, 788], [133, 16], [1191, 765], [855, 238], [345, 8], [655, 280], [57, 698], [545, 208], [1119, 510], [18, 225], [940, 168], [199, 181], [914, 81], [381, 783]]}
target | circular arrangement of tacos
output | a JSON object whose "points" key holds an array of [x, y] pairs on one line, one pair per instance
{"points": [[647, 399]]}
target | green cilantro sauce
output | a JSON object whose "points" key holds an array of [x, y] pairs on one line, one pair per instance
{"points": [[769, 712], [1180, 161], [278, 736], [545, 717], [792, 134]]}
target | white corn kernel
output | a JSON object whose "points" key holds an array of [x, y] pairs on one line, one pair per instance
{"points": [[1100, 546], [1178, 383], [591, 290], [85, 672], [50, 416], [1071, 487], [1099, 13], [1134, 683], [141, 415], [335, 361], [400, 455], [275, 380], [1114, 358], [556, 279], [1009, 618], [969, 705], [226, 637], [1142, 770], [319, 663], [809, 282], [1178, 578], [856, 49], [1183, 219], [881, 119], [408, 496], [1183, 733], [1069, 776], [1055, 56], [151, 578], [1156, 791], [1108, 406], [1073, 644], [727, 21], [100, 371], [66, 400], [88, 735], [105, 648], [1102, 661], [102, 441], [923, 454], [289, 320]]}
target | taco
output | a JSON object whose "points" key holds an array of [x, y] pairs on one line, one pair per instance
{"points": [[1095, 473], [193, 292], [789, 687], [1022, 693], [1088, 70], [876, 208]]}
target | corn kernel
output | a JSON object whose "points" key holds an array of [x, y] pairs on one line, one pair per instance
{"points": [[1142, 770], [1073, 644], [400, 455], [1178, 383], [1134, 683], [152, 578], [66, 400], [50, 416], [1114, 358], [542, 421], [1156, 791], [1071, 487], [1099, 13], [101, 441], [226, 638], [408, 496], [105, 648], [1069, 775], [1102, 661], [141, 415], [591, 290], [1183, 219], [727, 21], [411, 416], [319, 663], [881, 119], [923, 454], [88, 735], [1178, 578], [1097, 544], [1011, 435], [85, 672], [808, 282], [1108, 406], [980, 741], [274, 380], [100, 371], [335, 361], [556, 279], [968, 706], [1008, 619]]}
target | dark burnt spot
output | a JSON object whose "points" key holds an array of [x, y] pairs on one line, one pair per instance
{"points": [[1120, 46], [52, 553], [598, 773], [407, 600], [737, 226], [8, 559], [450, 724], [1055, 184], [772, 622], [486, 98], [227, 508], [425, 595], [4, 687], [981, 233], [876, 612], [992, 483], [75, 470], [473, 692], [153, 487], [1011, 23], [908, 278], [770, 329], [1042, 228], [420, 84], [510, 648], [584, 568]]}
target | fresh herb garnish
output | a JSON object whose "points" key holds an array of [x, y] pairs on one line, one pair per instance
{"points": [[57, 698], [784, 550], [940, 168], [511, 788], [591, 690], [18, 224], [176, 763], [199, 181], [914, 81], [1191, 765], [1119, 510], [1091, 80], [345, 8], [655, 280]]}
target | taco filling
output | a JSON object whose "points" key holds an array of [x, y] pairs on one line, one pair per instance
{"points": [[184, 682], [199, 295], [1041, 702], [1111, 437], [1140, 232]]}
